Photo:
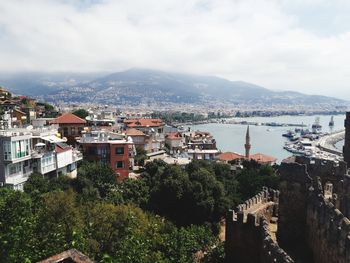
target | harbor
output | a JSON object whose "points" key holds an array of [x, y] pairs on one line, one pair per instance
{"points": [[269, 139]]}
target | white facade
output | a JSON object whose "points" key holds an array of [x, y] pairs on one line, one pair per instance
{"points": [[24, 151]]}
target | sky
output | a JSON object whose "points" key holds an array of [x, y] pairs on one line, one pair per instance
{"points": [[300, 45]]}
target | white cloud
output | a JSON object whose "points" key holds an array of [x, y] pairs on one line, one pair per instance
{"points": [[276, 44]]}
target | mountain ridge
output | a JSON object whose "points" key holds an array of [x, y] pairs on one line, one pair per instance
{"points": [[146, 86]]}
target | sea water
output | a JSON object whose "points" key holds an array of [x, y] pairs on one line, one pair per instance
{"points": [[264, 139]]}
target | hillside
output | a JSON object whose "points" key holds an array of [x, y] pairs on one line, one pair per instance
{"points": [[136, 86]]}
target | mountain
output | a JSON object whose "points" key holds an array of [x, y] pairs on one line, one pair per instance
{"points": [[136, 86]]}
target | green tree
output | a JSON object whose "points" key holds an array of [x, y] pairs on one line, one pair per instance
{"points": [[96, 175], [16, 226], [141, 155], [254, 176], [60, 224], [187, 198], [81, 113]]}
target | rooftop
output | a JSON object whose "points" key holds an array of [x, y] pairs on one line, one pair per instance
{"points": [[229, 156], [263, 158], [68, 118], [131, 123], [134, 132]]}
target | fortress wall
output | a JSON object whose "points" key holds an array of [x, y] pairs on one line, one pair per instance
{"points": [[328, 231], [317, 225], [248, 239], [292, 206]]}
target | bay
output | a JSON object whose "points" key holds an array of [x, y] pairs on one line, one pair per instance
{"points": [[264, 139]]}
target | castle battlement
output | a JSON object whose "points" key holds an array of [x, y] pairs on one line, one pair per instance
{"points": [[248, 228]]}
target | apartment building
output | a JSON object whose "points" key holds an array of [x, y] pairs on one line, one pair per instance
{"points": [[25, 151], [201, 145], [113, 149], [70, 126], [152, 129]]}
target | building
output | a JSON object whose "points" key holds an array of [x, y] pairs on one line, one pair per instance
{"points": [[69, 256], [229, 156], [174, 141], [263, 159], [70, 126], [200, 146], [138, 137], [26, 151], [153, 130], [115, 150], [145, 125]]}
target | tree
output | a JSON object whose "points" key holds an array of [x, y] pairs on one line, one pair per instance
{"points": [[141, 155], [36, 185], [16, 226], [60, 224], [96, 175], [254, 176], [134, 191], [81, 113], [187, 198]]}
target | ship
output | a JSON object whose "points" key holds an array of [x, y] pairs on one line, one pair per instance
{"points": [[289, 134], [331, 122]]}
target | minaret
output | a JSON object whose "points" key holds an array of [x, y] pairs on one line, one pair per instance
{"points": [[346, 148], [247, 144]]}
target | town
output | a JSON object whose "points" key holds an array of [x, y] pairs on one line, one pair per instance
{"points": [[35, 141]]}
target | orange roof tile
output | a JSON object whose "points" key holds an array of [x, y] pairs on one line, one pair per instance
{"points": [[134, 132], [68, 118], [263, 158], [143, 123], [173, 136], [229, 156]]}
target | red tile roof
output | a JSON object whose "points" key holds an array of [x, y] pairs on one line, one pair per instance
{"points": [[68, 118], [62, 147], [132, 123], [229, 156], [173, 136], [263, 158], [134, 132], [71, 255]]}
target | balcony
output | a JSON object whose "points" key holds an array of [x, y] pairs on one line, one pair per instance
{"points": [[77, 156]]}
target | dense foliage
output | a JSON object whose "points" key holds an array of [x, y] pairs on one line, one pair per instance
{"points": [[170, 117], [170, 214], [81, 113]]}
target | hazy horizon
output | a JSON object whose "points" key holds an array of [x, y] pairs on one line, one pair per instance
{"points": [[277, 44]]}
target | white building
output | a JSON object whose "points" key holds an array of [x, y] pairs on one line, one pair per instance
{"points": [[24, 151]]}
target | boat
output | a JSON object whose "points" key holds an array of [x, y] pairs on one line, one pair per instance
{"points": [[289, 134], [331, 122]]}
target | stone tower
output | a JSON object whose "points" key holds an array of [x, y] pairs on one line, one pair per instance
{"points": [[346, 148], [247, 145]]}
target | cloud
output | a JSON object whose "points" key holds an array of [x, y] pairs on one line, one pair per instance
{"points": [[276, 44]]}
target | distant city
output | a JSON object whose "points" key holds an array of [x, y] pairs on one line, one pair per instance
{"points": [[203, 158]]}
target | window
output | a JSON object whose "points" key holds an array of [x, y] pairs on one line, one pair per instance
{"points": [[65, 131], [119, 150], [72, 131], [15, 168], [7, 150], [20, 149], [92, 150], [119, 164]]}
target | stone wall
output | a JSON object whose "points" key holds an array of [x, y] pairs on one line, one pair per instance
{"points": [[294, 191], [248, 239], [312, 227], [328, 230]]}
